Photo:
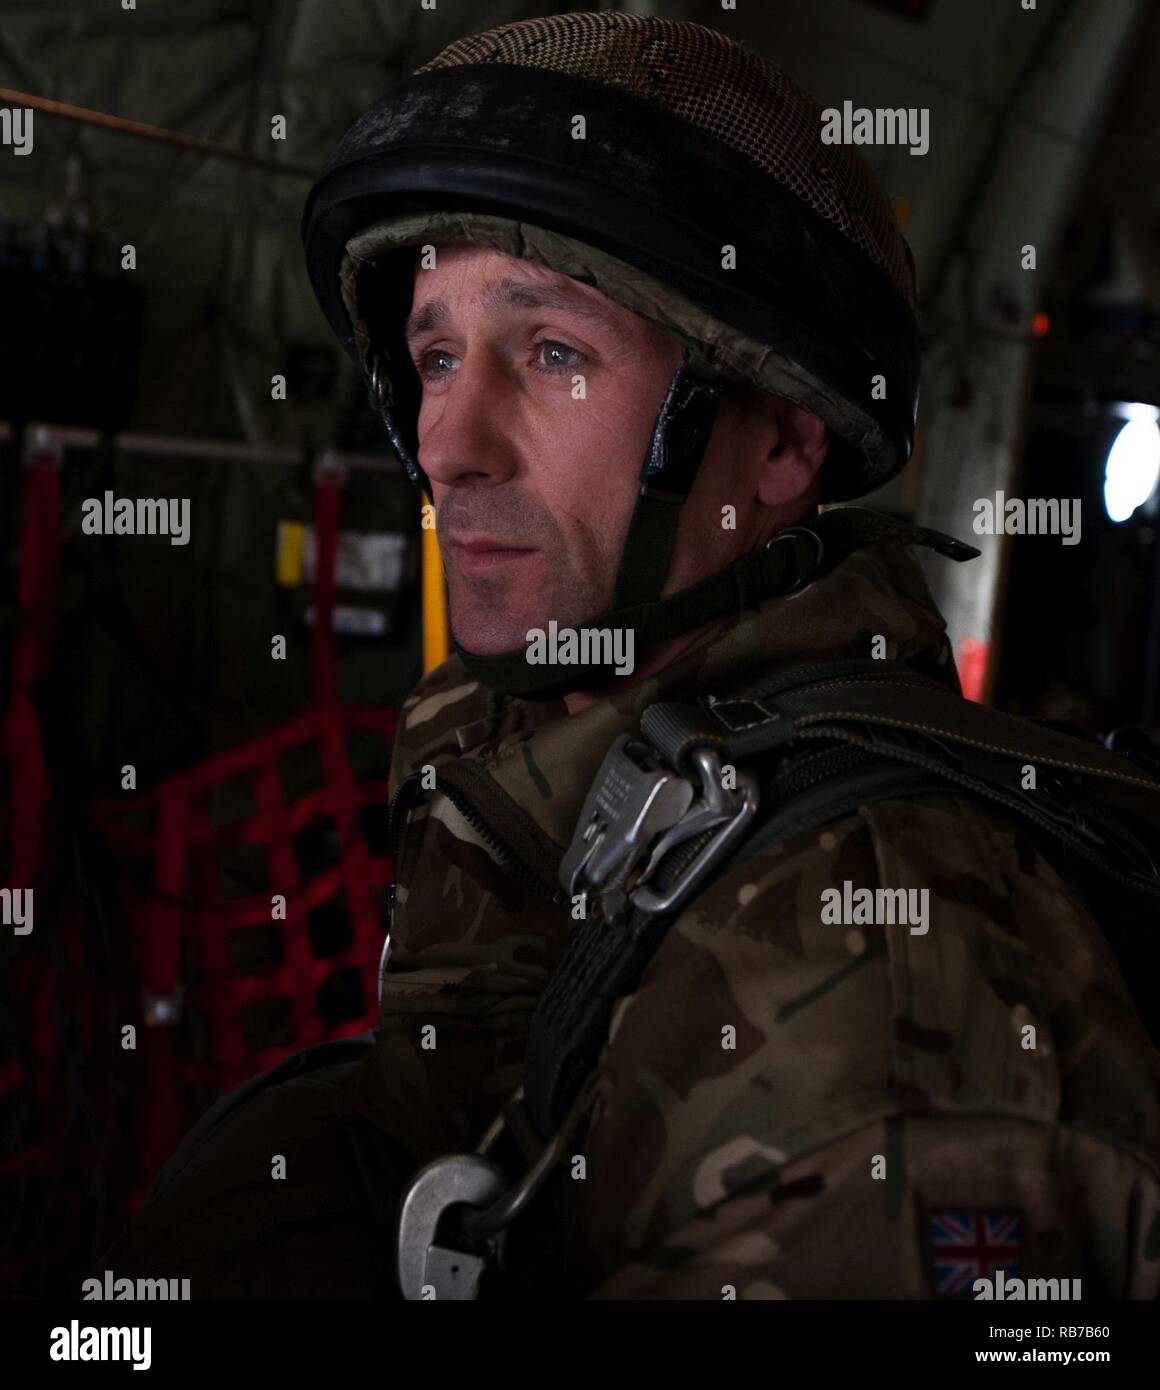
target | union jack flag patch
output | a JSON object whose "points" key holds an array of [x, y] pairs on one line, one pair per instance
{"points": [[969, 1243]]}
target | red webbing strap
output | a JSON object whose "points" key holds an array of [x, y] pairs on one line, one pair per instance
{"points": [[357, 874], [212, 994], [298, 974], [29, 790], [187, 842], [166, 908], [327, 504]]}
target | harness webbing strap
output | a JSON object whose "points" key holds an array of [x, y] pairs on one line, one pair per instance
{"points": [[931, 741], [821, 741], [791, 558], [604, 960]]}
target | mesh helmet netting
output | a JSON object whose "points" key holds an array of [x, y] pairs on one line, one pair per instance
{"points": [[710, 81]]}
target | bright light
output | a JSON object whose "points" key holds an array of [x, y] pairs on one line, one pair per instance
{"points": [[1133, 466]]}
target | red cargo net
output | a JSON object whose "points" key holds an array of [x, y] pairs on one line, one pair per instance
{"points": [[168, 852], [180, 848]]}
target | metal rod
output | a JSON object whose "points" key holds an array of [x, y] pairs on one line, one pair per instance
{"points": [[144, 131], [191, 447], [37, 431]]}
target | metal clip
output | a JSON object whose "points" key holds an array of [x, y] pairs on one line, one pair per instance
{"points": [[631, 801], [428, 1255], [636, 812], [727, 812], [449, 1251]]}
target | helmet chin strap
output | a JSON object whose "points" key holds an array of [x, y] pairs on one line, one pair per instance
{"points": [[609, 644], [636, 617]]}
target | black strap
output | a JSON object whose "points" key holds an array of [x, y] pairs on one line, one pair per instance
{"points": [[674, 455], [787, 561], [604, 959], [822, 769], [750, 723]]}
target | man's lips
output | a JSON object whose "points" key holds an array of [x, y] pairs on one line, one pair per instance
{"points": [[486, 551]]}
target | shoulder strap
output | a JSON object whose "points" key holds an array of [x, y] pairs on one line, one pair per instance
{"points": [[854, 742], [828, 739], [1095, 800]]}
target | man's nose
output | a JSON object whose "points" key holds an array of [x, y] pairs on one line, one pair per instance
{"points": [[465, 430]]}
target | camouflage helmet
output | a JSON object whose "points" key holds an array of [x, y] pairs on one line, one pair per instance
{"points": [[701, 198]]}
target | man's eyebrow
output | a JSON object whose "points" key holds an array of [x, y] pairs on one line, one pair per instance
{"points": [[515, 294]]}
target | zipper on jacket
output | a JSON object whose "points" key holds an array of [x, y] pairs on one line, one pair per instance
{"points": [[400, 811]]}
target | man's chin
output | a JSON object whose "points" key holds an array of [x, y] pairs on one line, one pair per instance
{"points": [[475, 647], [484, 637]]}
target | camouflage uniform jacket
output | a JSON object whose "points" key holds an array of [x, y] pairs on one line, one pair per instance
{"points": [[879, 1127]]}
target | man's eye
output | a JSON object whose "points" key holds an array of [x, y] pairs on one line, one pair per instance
{"points": [[426, 360], [553, 357]]}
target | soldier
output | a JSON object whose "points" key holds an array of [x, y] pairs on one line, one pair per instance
{"points": [[787, 1041]]}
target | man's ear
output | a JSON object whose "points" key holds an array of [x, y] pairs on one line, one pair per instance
{"points": [[788, 472]]}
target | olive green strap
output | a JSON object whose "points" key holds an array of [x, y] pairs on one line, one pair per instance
{"points": [[786, 562]]}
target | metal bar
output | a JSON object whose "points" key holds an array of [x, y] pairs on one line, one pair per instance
{"points": [[66, 434], [377, 463], [209, 449], [123, 126], [203, 448]]}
